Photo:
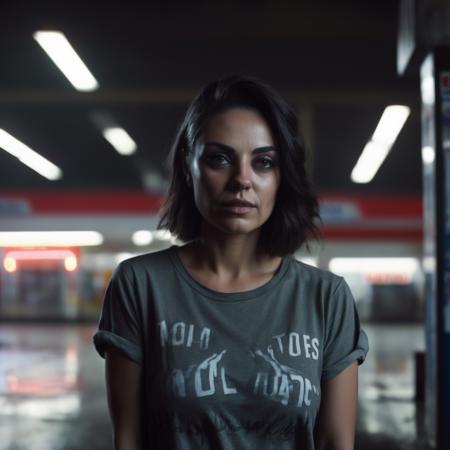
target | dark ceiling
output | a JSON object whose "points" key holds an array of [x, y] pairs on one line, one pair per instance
{"points": [[335, 61]]}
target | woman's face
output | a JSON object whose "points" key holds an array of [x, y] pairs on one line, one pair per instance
{"points": [[235, 172]]}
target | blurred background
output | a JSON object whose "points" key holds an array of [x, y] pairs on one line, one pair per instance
{"points": [[83, 174]]}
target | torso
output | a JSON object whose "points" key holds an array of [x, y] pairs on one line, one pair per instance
{"points": [[228, 370]]}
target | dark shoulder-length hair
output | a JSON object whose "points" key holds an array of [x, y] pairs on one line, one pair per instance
{"points": [[292, 221]]}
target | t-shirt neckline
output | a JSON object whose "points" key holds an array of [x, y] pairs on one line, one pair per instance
{"points": [[228, 296]]}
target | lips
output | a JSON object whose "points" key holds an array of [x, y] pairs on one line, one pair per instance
{"points": [[239, 203], [237, 207]]}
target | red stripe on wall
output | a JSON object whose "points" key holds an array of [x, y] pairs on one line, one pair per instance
{"points": [[89, 203], [129, 202]]}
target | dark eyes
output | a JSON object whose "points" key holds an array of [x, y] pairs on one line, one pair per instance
{"points": [[217, 160], [265, 162]]}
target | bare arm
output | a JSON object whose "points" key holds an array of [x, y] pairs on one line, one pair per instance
{"points": [[123, 386], [336, 423]]}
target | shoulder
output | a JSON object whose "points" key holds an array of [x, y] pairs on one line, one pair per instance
{"points": [[145, 263], [313, 276], [329, 289]]}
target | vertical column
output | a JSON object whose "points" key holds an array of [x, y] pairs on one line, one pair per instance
{"points": [[435, 90], [442, 77]]}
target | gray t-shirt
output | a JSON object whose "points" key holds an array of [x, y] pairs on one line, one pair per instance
{"points": [[230, 370]]}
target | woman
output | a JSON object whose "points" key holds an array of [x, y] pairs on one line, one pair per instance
{"points": [[228, 342]]}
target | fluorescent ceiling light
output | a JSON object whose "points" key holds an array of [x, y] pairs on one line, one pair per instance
{"points": [[391, 122], [29, 157], [49, 238], [383, 138], [142, 237], [369, 265], [120, 140], [369, 162], [66, 59]]}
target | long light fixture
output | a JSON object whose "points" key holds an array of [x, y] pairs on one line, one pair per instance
{"points": [[50, 238], [120, 140], [381, 270], [29, 157], [58, 48], [67, 256], [381, 142], [342, 265]]}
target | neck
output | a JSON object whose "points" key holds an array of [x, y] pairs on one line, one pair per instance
{"points": [[230, 256]]}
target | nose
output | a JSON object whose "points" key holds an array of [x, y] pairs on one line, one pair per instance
{"points": [[241, 178]]}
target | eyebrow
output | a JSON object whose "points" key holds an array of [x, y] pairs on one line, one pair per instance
{"points": [[258, 150]]}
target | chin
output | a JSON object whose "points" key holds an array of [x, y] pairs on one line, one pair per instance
{"points": [[236, 226]]}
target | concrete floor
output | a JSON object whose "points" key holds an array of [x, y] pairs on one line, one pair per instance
{"points": [[52, 393]]}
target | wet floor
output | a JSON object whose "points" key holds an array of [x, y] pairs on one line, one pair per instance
{"points": [[52, 392]]}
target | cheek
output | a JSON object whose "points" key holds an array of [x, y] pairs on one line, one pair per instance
{"points": [[211, 181], [206, 187], [269, 188]]}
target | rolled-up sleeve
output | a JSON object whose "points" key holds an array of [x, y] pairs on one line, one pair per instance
{"points": [[345, 341], [120, 321]]}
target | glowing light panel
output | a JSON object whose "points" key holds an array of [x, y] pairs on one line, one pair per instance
{"points": [[50, 238], [380, 144], [29, 157], [12, 256], [58, 48], [120, 140], [378, 270]]}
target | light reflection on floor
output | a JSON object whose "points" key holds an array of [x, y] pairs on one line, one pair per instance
{"points": [[52, 394], [388, 417]]}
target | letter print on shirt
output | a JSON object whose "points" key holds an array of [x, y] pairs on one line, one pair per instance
{"points": [[283, 383], [267, 377]]}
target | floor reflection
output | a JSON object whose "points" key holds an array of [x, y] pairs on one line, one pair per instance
{"points": [[389, 417], [52, 393]]}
